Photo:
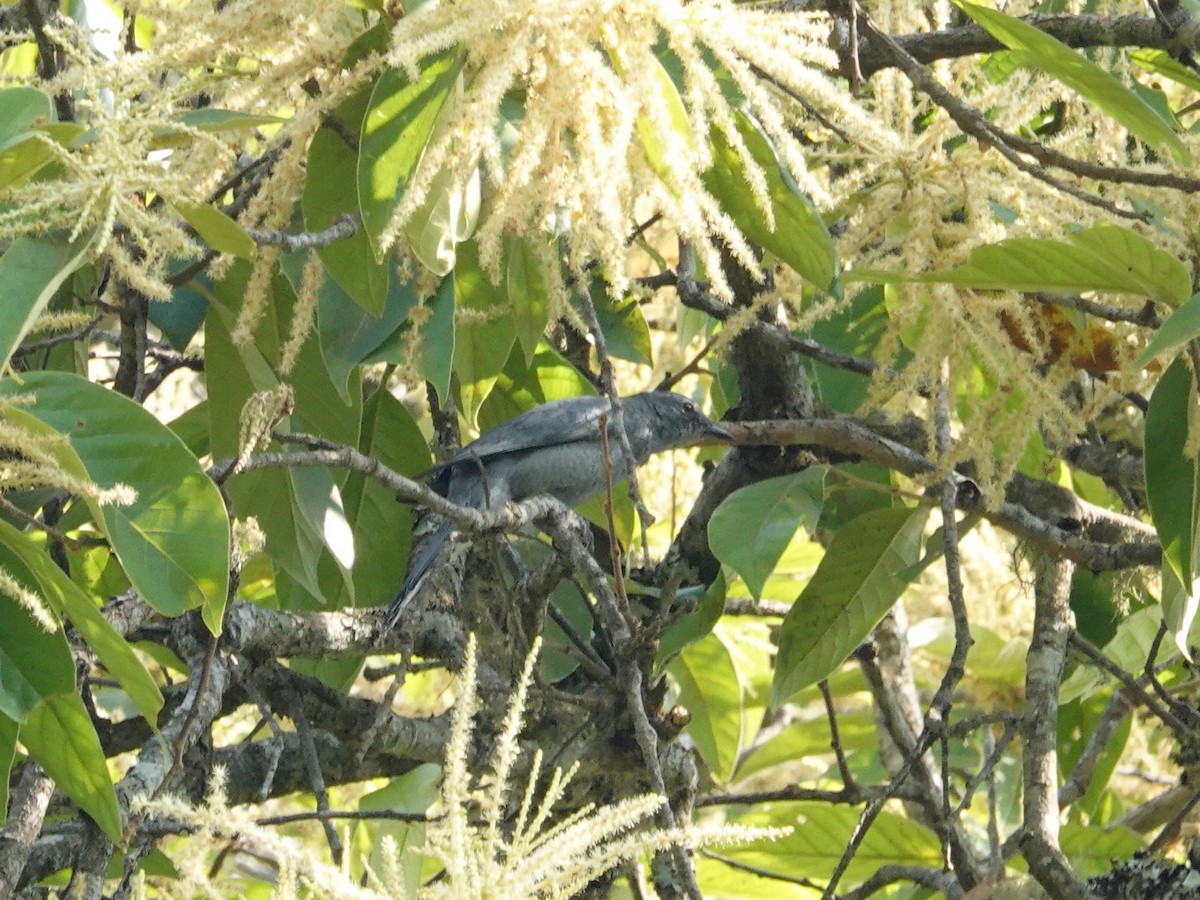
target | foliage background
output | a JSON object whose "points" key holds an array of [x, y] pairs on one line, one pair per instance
{"points": [[933, 265]]}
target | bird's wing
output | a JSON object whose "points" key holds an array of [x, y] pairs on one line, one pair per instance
{"points": [[557, 422]]}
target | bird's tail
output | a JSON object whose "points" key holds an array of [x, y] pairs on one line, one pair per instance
{"points": [[419, 566]]}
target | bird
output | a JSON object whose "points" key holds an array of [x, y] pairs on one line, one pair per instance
{"points": [[553, 449]]}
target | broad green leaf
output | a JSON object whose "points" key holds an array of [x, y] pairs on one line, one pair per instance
{"points": [[349, 335], [1179, 608], [1180, 327], [399, 122], [413, 792], [217, 120], [1076, 71], [180, 317], [9, 730], [626, 333], [660, 157], [1160, 62], [820, 835], [31, 271], [436, 353], [991, 657], [22, 159], [710, 692], [34, 663], [299, 509], [60, 736], [69, 600], [219, 231], [484, 338], [800, 237], [20, 109], [1172, 479], [1092, 849], [173, 539], [446, 218], [864, 571], [330, 192], [527, 293], [753, 526], [1101, 258], [521, 387], [856, 731], [695, 625], [383, 527]]}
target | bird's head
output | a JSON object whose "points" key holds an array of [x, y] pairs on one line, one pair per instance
{"points": [[672, 420]]}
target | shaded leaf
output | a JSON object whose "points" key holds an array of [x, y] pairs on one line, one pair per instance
{"points": [[1180, 327], [484, 339], [34, 663], [31, 271], [20, 109], [753, 526], [331, 192], [1172, 479], [436, 353], [527, 294]]}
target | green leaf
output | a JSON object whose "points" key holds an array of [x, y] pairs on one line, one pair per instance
{"points": [[668, 99], [521, 387], [820, 834], [413, 792], [331, 192], [31, 271], [695, 625], [383, 527], [626, 332], [754, 525], [483, 339], [710, 692], [1160, 62], [436, 352], [173, 540], [20, 109], [446, 218], [34, 663], [527, 293], [1094, 84], [1172, 479], [800, 237], [299, 510], [1092, 849], [1101, 258], [59, 734], [217, 120], [862, 574], [9, 730], [399, 121], [219, 231], [69, 600], [349, 335], [1180, 327]]}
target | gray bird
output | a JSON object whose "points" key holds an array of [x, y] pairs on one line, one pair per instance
{"points": [[553, 449]]}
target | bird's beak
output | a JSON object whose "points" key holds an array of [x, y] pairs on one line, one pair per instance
{"points": [[716, 431]]}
